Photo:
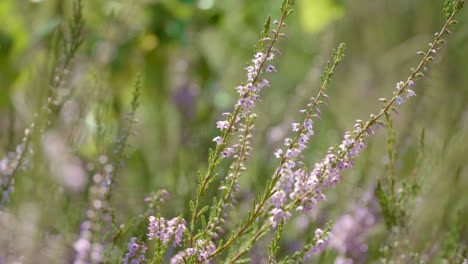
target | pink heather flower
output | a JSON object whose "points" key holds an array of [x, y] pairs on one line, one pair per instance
{"points": [[157, 229], [296, 126], [290, 153], [164, 230], [399, 85], [350, 233], [240, 90], [176, 228], [277, 215], [278, 198], [251, 73], [178, 258], [222, 125], [263, 83], [322, 241], [279, 153], [410, 93], [227, 152], [271, 55], [399, 100], [203, 249], [133, 249], [411, 83], [218, 140], [270, 68], [259, 55]]}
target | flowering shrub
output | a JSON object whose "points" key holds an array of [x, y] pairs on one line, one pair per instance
{"points": [[223, 230]]}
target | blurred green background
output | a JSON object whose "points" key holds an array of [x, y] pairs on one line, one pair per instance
{"points": [[191, 54]]}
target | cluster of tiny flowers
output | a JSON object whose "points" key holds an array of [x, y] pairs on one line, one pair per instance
{"points": [[86, 251], [98, 210], [8, 165], [322, 240], [328, 172], [243, 151], [164, 230], [200, 252], [102, 180], [278, 214], [136, 252], [292, 177], [249, 94], [349, 233], [409, 93]]}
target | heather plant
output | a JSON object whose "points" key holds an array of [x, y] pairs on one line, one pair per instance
{"points": [[219, 220]]}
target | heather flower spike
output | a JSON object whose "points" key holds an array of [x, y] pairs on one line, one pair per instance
{"points": [[234, 122], [100, 191], [10, 164]]}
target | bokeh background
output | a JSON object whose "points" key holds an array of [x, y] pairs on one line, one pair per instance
{"points": [[191, 54]]}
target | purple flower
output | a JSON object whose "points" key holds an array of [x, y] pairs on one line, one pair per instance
{"points": [[222, 125], [278, 153], [164, 230], [277, 215], [410, 93], [296, 126], [218, 140], [136, 252], [157, 229], [350, 231], [399, 100], [270, 68], [176, 228]]}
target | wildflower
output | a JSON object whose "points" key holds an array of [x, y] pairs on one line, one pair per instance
{"points": [[133, 249], [278, 153], [202, 250], [410, 93], [399, 100], [157, 229], [270, 68], [277, 215], [400, 85], [296, 126], [218, 140], [227, 152], [222, 125], [176, 228], [164, 230], [350, 230]]}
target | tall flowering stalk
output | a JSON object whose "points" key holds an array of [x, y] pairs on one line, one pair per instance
{"points": [[230, 185], [10, 164], [328, 173], [249, 94], [88, 247], [276, 191]]}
